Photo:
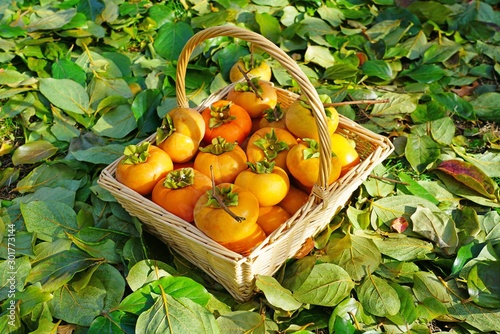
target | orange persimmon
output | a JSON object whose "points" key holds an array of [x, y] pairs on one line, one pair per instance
{"points": [[225, 119], [142, 166], [228, 215], [179, 190]]}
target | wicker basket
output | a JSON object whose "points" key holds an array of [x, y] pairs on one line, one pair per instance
{"points": [[233, 271]]}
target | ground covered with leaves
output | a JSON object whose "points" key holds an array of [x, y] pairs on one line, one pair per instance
{"points": [[415, 250]]}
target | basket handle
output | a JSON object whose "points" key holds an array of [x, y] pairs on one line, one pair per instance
{"points": [[288, 63]]}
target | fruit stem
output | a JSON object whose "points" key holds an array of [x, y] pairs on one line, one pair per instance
{"points": [[217, 195]]}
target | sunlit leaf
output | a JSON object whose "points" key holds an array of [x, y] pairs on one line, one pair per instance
{"points": [[404, 248], [171, 315], [65, 94], [436, 226], [33, 152], [421, 152], [49, 219], [378, 297], [277, 295], [242, 322], [326, 285], [147, 271], [171, 38], [427, 285], [357, 255]]}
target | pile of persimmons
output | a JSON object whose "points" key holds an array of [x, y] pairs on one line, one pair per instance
{"points": [[241, 167]]}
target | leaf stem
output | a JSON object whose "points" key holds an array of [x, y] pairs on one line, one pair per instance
{"points": [[335, 104], [220, 201], [381, 178]]}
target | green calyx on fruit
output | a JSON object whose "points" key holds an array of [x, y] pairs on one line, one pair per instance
{"points": [[165, 130], [261, 167], [218, 146], [274, 114], [179, 178], [136, 154], [220, 115], [270, 145]]}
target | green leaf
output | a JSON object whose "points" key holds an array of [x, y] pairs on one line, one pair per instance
{"points": [[12, 78], [146, 271], [49, 220], [425, 73], [33, 152], [172, 315], [66, 94], [319, 55], [45, 19], [145, 107], [486, 106], [7, 31], [440, 51], [46, 176], [67, 69], [443, 130], [455, 104], [387, 209], [58, 269], [421, 152], [357, 255], [346, 310], [326, 285], [404, 248], [379, 185], [427, 285], [269, 26], [13, 273], [114, 322], [171, 39], [415, 188], [483, 319], [297, 272], [242, 322], [102, 249], [275, 294], [99, 154], [313, 26], [78, 307], [176, 286], [30, 298], [388, 114], [64, 128], [408, 311], [436, 226], [377, 68], [340, 72], [457, 188], [378, 297], [334, 16], [465, 254], [116, 123], [431, 10], [483, 284], [24, 245]]}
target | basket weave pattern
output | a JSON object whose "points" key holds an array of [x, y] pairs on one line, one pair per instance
{"points": [[233, 271]]}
